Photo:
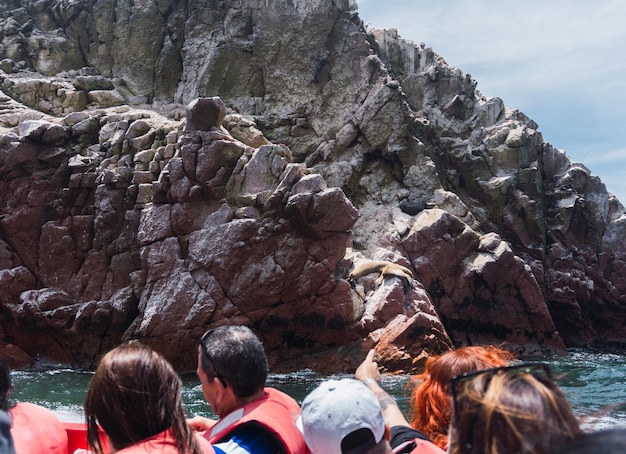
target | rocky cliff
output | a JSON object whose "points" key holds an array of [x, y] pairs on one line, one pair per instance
{"points": [[169, 166]]}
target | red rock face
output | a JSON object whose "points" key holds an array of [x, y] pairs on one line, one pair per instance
{"points": [[359, 194], [241, 235], [484, 292], [235, 234]]}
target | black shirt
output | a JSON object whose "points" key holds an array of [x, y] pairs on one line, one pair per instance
{"points": [[402, 434]]}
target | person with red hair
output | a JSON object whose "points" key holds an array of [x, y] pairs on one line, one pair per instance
{"points": [[431, 398]]}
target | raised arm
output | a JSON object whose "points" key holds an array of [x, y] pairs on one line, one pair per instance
{"points": [[368, 373]]}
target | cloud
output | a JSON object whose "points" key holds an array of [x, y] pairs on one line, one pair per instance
{"points": [[561, 62], [604, 156]]}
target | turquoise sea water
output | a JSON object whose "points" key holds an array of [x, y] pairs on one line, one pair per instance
{"points": [[594, 383]]}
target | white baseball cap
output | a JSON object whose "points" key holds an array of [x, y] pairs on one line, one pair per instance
{"points": [[341, 417]]}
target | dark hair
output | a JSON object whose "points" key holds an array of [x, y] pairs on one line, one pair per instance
{"points": [[509, 409], [135, 394], [5, 385], [234, 355], [608, 441]]}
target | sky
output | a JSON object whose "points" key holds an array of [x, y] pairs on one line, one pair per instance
{"points": [[560, 62]]}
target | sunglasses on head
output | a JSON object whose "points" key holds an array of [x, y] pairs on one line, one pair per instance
{"points": [[212, 372], [537, 370]]}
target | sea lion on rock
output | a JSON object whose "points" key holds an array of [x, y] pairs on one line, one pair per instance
{"points": [[385, 268]]}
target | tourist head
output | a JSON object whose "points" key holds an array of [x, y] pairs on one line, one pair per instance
{"points": [[343, 416], [509, 409], [135, 394], [234, 357], [431, 398], [5, 385]]}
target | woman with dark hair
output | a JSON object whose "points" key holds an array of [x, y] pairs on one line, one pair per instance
{"points": [[516, 409], [34, 428], [135, 396]]}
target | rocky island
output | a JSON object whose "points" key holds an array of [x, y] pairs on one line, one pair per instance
{"points": [[167, 167]]}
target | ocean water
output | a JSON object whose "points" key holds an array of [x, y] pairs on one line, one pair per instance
{"points": [[594, 383]]}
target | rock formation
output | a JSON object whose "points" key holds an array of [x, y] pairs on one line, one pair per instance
{"points": [[171, 166]]}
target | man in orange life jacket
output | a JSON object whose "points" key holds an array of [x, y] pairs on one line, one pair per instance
{"points": [[345, 417], [232, 368]]}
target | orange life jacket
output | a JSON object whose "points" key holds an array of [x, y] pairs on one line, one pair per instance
{"points": [[35, 429], [275, 411], [163, 443]]}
